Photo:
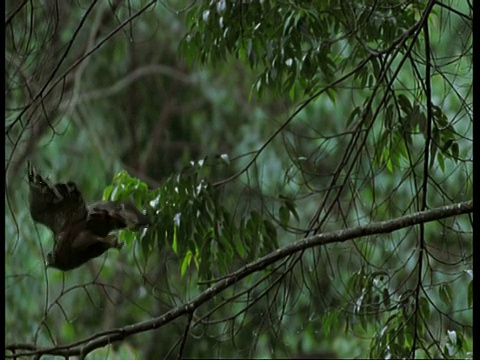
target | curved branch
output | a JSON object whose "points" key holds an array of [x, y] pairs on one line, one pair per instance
{"points": [[83, 347]]}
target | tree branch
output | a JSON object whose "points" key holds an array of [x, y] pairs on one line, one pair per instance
{"points": [[83, 347]]}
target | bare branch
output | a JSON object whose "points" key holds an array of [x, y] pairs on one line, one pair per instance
{"points": [[83, 347]]}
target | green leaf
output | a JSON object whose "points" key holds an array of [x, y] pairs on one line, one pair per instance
{"points": [[186, 263], [237, 243], [331, 95], [433, 153], [445, 294], [174, 243], [389, 165], [284, 214], [291, 207], [441, 162], [404, 103], [330, 321], [424, 307], [107, 192], [227, 248], [389, 117], [291, 92], [270, 232], [353, 114], [455, 151], [375, 66], [127, 236]]}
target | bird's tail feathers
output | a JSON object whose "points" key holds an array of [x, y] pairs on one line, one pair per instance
{"points": [[54, 194]]}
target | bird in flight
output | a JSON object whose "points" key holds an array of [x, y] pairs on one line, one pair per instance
{"points": [[80, 232]]}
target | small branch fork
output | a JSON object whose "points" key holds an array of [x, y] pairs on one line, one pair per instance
{"points": [[101, 339]]}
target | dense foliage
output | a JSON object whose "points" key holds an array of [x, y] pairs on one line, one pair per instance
{"points": [[255, 135]]}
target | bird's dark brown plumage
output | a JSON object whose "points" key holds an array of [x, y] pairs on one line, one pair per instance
{"points": [[80, 232]]}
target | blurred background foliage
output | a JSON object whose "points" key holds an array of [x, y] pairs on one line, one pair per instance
{"points": [[240, 127]]}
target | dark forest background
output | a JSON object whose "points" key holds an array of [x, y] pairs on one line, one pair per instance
{"points": [[252, 133]]}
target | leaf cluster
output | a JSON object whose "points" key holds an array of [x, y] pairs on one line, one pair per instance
{"points": [[298, 46], [187, 216]]}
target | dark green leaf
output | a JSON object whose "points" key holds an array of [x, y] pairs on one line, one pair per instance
{"points": [[445, 294], [284, 216]]}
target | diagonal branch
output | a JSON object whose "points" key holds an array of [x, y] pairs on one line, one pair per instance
{"points": [[83, 347]]}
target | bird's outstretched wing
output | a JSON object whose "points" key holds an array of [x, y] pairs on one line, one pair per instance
{"points": [[106, 216], [57, 206], [80, 233]]}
